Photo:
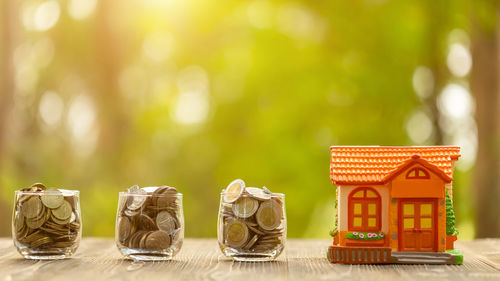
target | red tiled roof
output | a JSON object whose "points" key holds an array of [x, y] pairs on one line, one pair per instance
{"points": [[374, 164]]}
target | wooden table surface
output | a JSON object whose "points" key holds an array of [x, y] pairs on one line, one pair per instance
{"points": [[201, 259]]}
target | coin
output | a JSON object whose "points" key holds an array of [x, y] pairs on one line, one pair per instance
{"points": [[38, 186], [133, 189], [266, 190], [42, 241], [138, 200], [131, 213], [251, 242], [269, 215], [146, 223], [177, 237], [158, 240], [165, 221], [123, 228], [245, 207], [19, 222], [255, 229], [236, 233], [63, 212], [32, 207], [166, 196], [258, 193], [52, 198], [234, 190], [35, 223], [72, 217]]}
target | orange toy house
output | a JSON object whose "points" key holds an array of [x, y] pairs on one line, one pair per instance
{"points": [[394, 205]]}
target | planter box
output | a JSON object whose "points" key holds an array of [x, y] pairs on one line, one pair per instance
{"points": [[365, 243]]}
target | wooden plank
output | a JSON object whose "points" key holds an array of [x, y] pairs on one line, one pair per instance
{"points": [[201, 259]]}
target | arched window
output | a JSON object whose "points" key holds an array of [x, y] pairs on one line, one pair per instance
{"points": [[417, 173], [364, 209]]}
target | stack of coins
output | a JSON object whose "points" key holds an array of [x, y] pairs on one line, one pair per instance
{"points": [[149, 220], [45, 219], [252, 218]]}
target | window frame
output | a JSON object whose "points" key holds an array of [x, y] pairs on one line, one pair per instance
{"points": [[417, 175], [364, 201]]}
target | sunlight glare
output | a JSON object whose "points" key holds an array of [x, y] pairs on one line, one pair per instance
{"points": [[260, 14], [46, 15], [455, 102], [423, 81], [81, 9], [51, 108], [419, 127], [459, 60]]}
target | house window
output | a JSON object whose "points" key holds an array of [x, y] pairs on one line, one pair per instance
{"points": [[364, 210], [417, 173]]}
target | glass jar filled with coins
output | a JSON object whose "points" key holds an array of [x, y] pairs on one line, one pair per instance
{"points": [[150, 223], [46, 223], [252, 223]]}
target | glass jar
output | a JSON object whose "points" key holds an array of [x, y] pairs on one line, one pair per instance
{"points": [[150, 223], [46, 223], [251, 229]]}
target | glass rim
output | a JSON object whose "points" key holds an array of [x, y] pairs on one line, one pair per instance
{"points": [[126, 193], [273, 194], [62, 190]]}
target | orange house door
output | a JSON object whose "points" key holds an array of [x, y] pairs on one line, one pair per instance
{"points": [[417, 224]]}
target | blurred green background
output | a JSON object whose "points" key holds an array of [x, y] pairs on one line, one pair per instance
{"points": [[99, 95]]}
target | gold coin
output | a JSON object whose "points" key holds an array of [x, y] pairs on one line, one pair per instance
{"points": [[234, 191], [36, 222], [18, 222], [52, 198], [158, 240], [33, 236], [63, 212], [245, 207], [269, 215], [72, 218], [255, 229], [42, 241], [258, 193], [23, 198], [236, 234], [251, 242], [63, 244], [32, 207], [58, 221]]}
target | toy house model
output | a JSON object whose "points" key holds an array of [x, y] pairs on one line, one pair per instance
{"points": [[394, 205]]}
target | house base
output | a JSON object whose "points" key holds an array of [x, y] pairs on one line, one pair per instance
{"points": [[380, 255], [424, 258], [359, 255]]}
